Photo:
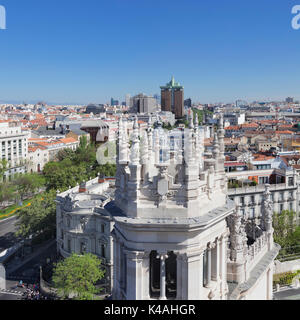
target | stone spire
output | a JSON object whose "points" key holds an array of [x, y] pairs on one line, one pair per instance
{"points": [[197, 142], [150, 140], [156, 148], [216, 149], [196, 122], [190, 118], [189, 142], [221, 135], [144, 148], [135, 148], [123, 143]]}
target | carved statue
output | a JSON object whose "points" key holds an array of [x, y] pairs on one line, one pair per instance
{"points": [[83, 222], [267, 210], [238, 236]]}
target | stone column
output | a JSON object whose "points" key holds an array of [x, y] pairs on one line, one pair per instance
{"points": [[208, 265], [215, 261], [191, 276], [223, 265], [134, 286], [121, 266], [162, 258], [114, 275], [146, 276]]}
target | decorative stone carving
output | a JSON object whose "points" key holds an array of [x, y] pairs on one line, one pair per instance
{"points": [[267, 210], [238, 237], [83, 222]]}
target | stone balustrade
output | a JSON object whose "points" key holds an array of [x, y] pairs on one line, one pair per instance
{"points": [[253, 252]]}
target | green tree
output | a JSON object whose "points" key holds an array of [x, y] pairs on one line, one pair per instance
{"points": [[28, 183], [105, 170], [77, 275], [284, 225], [167, 126], [86, 152], [7, 192], [39, 218], [65, 154], [3, 166], [64, 174]]}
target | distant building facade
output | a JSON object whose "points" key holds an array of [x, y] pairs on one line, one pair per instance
{"points": [[95, 108], [142, 103]]}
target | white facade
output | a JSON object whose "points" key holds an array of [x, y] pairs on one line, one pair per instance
{"points": [[13, 147], [37, 159], [83, 225]]}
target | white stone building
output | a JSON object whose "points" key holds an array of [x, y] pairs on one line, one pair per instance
{"points": [[83, 224], [14, 147], [176, 234], [38, 156]]}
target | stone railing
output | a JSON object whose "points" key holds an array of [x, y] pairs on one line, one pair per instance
{"points": [[259, 188], [259, 246]]}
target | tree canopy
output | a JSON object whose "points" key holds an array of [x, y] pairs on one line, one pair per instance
{"points": [[286, 232], [38, 218], [77, 275]]}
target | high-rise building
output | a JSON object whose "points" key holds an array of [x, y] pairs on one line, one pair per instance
{"points": [[142, 103], [172, 98], [127, 100]]}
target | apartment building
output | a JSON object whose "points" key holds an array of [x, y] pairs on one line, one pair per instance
{"points": [[284, 188], [14, 147]]}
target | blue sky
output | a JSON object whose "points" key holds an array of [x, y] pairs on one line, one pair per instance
{"points": [[88, 51]]}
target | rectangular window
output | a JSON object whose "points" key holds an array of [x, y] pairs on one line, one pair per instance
{"points": [[281, 196], [102, 250], [154, 275], [291, 181]]}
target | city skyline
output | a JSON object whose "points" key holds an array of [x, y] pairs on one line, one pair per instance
{"points": [[219, 52]]}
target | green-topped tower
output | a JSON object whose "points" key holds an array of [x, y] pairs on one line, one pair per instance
{"points": [[172, 98]]}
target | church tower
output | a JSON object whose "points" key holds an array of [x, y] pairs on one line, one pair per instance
{"points": [[170, 209]]}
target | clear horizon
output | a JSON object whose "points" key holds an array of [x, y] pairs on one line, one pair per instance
{"points": [[58, 53]]}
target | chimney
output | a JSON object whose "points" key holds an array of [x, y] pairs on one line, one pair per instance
{"points": [[101, 178], [83, 187]]}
